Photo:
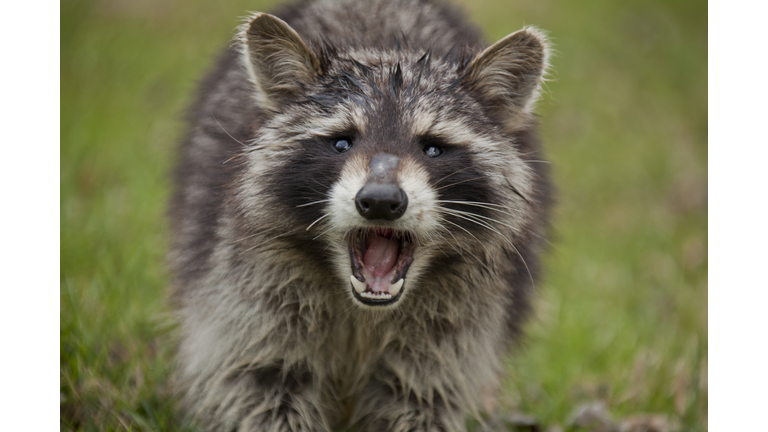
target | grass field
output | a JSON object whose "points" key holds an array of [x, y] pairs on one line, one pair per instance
{"points": [[622, 313]]}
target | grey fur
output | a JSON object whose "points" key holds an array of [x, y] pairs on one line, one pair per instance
{"points": [[271, 338]]}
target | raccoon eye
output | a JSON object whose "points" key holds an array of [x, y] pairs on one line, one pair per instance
{"points": [[433, 151], [342, 144]]}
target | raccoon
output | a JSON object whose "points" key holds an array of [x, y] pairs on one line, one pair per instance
{"points": [[358, 214]]}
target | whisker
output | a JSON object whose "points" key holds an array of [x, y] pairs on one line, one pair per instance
{"points": [[251, 236], [456, 242], [530, 275], [457, 183], [522, 155], [322, 233], [483, 224], [479, 204], [317, 220], [321, 185], [478, 240], [460, 250], [313, 202], [517, 192], [482, 217], [472, 202], [225, 131], [443, 239], [542, 238], [233, 158], [269, 240], [470, 219], [455, 172]]}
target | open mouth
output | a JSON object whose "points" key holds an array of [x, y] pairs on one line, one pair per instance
{"points": [[380, 260]]}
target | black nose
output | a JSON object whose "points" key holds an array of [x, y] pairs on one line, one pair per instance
{"points": [[381, 201]]}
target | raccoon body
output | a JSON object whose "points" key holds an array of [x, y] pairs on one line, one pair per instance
{"points": [[358, 213]]}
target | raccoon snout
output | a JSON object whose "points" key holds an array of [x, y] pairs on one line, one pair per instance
{"points": [[381, 201], [381, 198]]}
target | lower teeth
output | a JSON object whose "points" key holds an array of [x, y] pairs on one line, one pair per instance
{"points": [[376, 296], [362, 289]]}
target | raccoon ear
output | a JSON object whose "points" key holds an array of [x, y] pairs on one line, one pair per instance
{"points": [[509, 72], [277, 59]]}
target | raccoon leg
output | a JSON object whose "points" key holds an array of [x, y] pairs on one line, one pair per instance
{"points": [[386, 408], [263, 400]]}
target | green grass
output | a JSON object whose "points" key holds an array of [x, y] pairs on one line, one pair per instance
{"points": [[622, 315]]}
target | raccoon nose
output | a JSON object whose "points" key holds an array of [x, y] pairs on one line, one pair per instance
{"points": [[381, 201]]}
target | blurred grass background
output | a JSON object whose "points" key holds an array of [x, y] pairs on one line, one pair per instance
{"points": [[622, 313]]}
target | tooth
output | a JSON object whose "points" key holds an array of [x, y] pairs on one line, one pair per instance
{"points": [[395, 287], [359, 286]]}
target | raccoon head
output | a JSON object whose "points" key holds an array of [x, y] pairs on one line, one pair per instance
{"points": [[387, 164]]}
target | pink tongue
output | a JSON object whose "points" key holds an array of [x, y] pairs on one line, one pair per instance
{"points": [[381, 255]]}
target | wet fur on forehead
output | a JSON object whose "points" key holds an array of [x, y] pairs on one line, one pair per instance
{"points": [[355, 86]]}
